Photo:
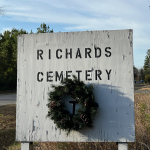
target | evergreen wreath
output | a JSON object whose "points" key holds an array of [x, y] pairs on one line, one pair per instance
{"points": [[81, 94]]}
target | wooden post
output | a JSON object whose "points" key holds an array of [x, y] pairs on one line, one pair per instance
{"points": [[122, 146], [26, 145]]}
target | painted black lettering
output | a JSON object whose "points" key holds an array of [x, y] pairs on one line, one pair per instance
{"points": [[108, 74], [67, 74], [41, 79], [49, 53], [68, 53], [39, 54], [87, 52], [97, 74], [78, 71], [60, 77], [59, 57], [88, 75], [108, 52], [49, 76], [78, 54], [97, 52]]}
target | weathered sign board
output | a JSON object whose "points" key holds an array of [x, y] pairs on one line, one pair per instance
{"points": [[101, 58]]}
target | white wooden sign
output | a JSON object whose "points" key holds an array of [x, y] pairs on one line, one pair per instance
{"points": [[102, 58]]}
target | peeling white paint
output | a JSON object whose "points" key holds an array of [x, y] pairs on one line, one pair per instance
{"points": [[114, 121]]}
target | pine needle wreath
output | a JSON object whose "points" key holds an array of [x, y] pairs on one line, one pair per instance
{"points": [[80, 93]]}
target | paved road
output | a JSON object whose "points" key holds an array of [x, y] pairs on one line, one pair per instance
{"points": [[7, 99]]}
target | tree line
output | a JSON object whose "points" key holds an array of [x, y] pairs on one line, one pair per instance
{"points": [[144, 72], [8, 56], [147, 67]]}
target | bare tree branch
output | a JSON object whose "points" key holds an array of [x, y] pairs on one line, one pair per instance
{"points": [[144, 145], [2, 11]]}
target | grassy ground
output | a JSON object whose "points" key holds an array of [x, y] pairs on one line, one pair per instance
{"points": [[7, 92], [141, 86], [142, 126], [7, 127]]}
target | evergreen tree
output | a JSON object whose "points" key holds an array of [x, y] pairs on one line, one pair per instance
{"points": [[142, 74], [8, 56], [8, 59], [147, 78], [146, 64], [44, 29], [135, 70], [31, 32]]}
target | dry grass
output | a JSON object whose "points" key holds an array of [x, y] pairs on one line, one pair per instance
{"points": [[7, 126], [142, 121], [142, 126], [7, 92], [141, 86], [76, 146], [145, 89]]}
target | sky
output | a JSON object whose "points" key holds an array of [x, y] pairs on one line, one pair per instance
{"points": [[82, 15]]}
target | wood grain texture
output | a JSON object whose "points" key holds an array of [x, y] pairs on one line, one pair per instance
{"points": [[27, 146], [114, 121], [122, 146]]}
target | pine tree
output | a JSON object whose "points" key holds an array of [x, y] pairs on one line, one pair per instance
{"points": [[147, 78], [142, 74], [135, 72], [8, 59], [44, 29], [146, 64], [31, 32], [8, 55]]}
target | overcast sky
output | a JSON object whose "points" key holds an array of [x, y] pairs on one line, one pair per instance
{"points": [[82, 15]]}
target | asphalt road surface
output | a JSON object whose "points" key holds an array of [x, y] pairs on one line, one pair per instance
{"points": [[7, 99]]}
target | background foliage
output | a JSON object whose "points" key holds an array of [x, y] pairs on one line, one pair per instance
{"points": [[143, 73], [147, 67], [8, 56]]}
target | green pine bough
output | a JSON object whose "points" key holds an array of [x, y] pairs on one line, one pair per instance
{"points": [[81, 94]]}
